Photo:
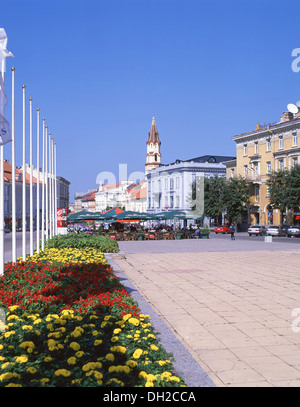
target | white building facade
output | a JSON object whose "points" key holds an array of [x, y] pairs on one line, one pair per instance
{"points": [[170, 186]]}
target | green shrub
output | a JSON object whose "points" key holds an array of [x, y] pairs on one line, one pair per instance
{"points": [[74, 240]]}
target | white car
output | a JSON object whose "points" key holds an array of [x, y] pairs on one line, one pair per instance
{"points": [[277, 230], [257, 230], [293, 231]]}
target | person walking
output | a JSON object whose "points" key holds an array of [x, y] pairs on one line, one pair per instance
{"points": [[232, 228]]}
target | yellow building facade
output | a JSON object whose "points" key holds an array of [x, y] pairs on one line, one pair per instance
{"points": [[259, 152]]}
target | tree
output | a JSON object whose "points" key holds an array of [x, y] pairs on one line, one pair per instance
{"points": [[213, 196], [236, 195], [222, 195], [284, 188]]}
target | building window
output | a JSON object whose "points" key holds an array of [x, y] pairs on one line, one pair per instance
{"points": [[256, 169], [177, 182], [232, 172], [245, 149], [171, 201], [166, 183], [256, 147], [268, 191], [177, 202], [256, 193], [245, 170], [295, 161], [155, 157], [280, 165], [268, 144], [295, 139], [171, 183], [280, 142], [268, 167]]}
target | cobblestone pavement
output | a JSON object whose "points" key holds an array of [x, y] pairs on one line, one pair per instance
{"points": [[234, 308]]}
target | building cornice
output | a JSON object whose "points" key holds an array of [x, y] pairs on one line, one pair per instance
{"points": [[275, 128]]}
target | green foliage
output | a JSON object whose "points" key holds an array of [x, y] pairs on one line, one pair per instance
{"points": [[236, 195], [284, 188], [213, 196], [221, 195], [75, 240]]}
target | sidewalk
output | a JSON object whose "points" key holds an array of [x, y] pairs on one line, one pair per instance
{"points": [[229, 306]]}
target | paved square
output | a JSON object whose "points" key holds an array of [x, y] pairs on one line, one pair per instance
{"points": [[232, 309]]}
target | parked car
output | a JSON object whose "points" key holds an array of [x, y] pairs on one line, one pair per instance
{"points": [[6, 230], [222, 229], [279, 230], [293, 231], [257, 230]]}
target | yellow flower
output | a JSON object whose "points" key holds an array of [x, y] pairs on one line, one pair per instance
{"points": [[12, 317], [174, 379], [97, 342], [72, 360], [110, 357], [8, 376], [137, 353], [98, 375], [29, 327], [62, 372], [31, 370], [27, 344], [22, 359], [131, 363], [114, 339], [4, 365], [13, 307], [9, 333], [13, 385], [75, 346], [143, 374], [48, 359], [134, 321], [149, 384], [37, 321]]}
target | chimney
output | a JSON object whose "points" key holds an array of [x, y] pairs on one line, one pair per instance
{"points": [[286, 116]]}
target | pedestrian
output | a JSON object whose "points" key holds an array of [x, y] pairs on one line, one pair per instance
{"points": [[232, 228]]}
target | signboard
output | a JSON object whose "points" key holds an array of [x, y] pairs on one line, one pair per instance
{"points": [[62, 217]]}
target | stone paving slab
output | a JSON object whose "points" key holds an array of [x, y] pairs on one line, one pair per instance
{"points": [[231, 309]]}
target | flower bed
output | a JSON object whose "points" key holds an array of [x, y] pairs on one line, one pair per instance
{"points": [[74, 240], [68, 255], [75, 324]]}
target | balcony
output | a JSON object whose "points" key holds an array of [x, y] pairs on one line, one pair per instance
{"points": [[253, 177]]}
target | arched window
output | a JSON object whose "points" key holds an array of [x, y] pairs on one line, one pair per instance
{"points": [[155, 157]]}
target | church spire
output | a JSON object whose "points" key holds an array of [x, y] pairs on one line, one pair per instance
{"points": [[153, 133]]}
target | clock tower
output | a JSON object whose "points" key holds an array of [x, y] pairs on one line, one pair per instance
{"points": [[153, 157]]}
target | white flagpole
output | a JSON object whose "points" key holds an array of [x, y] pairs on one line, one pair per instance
{"points": [[13, 177], [53, 202], [2, 195], [46, 182], [38, 182], [24, 184], [50, 189], [31, 182], [43, 189], [55, 193]]}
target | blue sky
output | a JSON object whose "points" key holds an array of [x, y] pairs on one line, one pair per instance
{"points": [[97, 69]]}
